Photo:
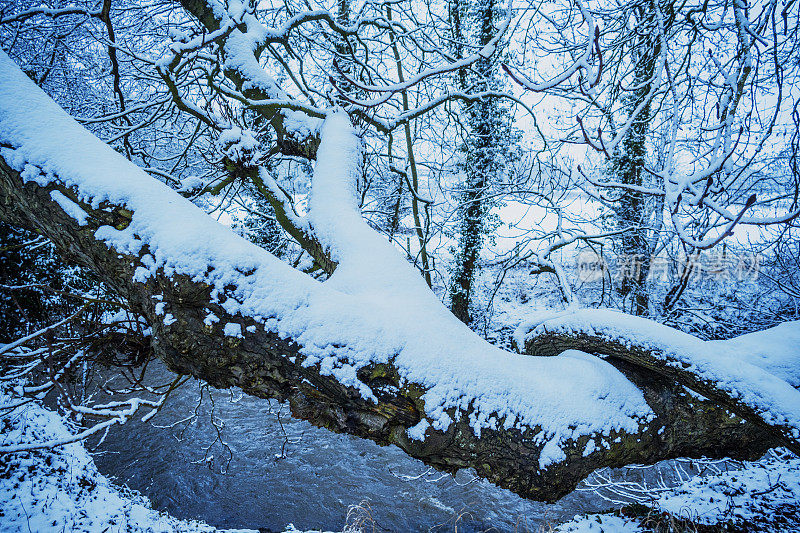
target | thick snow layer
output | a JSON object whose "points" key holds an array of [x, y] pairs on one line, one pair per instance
{"points": [[753, 369], [374, 309], [776, 350]]}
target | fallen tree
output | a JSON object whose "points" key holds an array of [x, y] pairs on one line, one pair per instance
{"points": [[370, 352]]}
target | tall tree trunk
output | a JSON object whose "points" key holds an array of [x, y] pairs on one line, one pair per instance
{"points": [[484, 140], [632, 211]]}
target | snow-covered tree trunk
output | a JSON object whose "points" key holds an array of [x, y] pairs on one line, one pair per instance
{"points": [[370, 352]]}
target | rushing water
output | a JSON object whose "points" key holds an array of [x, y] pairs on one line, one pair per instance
{"points": [[274, 470]]}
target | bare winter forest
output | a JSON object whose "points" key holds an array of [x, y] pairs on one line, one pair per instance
{"points": [[548, 252]]}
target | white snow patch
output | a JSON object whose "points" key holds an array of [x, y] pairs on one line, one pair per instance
{"points": [[70, 207], [417, 432], [776, 350], [240, 145], [232, 329]]}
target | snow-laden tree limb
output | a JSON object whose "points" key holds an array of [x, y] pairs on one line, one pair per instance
{"points": [[370, 352], [748, 376]]}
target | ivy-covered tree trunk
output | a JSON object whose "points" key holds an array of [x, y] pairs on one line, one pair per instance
{"points": [[633, 211], [486, 136]]}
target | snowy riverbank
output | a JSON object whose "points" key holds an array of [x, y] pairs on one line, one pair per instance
{"points": [[60, 489]]}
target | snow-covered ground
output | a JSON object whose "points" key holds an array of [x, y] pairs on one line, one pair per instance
{"points": [[755, 496], [762, 495]]}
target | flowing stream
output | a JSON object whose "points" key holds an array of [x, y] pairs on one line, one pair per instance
{"points": [[237, 461]]}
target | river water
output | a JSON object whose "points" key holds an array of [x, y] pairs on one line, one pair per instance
{"points": [[273, 470]]}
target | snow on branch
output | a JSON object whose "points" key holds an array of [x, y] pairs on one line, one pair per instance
{"points": [[342, 326], [755, 380]]}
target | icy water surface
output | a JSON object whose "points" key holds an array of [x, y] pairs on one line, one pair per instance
{"points": [[279, 471]]}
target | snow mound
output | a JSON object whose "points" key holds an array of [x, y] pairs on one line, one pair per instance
{"points": [[776, 350]]}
